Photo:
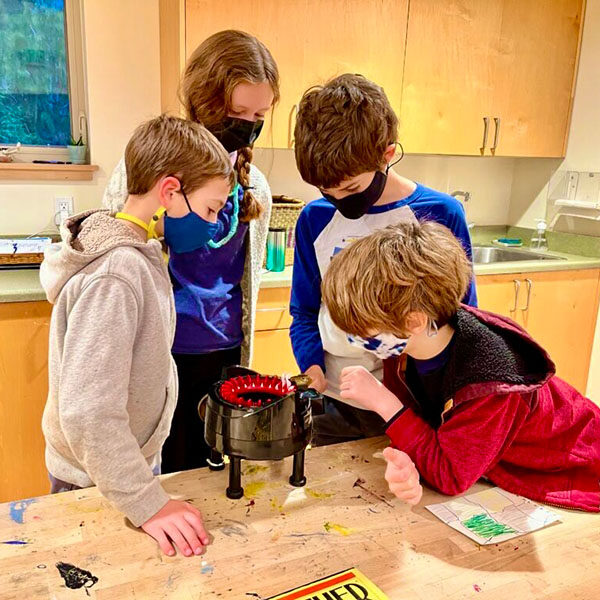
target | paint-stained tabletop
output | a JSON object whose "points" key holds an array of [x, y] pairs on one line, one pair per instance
{"points": [[278, 537]]}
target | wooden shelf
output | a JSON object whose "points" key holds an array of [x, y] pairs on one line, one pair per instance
{"points": [[47, 172]]}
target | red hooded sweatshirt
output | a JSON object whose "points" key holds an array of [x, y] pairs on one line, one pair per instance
{"points": [[506, 417]]}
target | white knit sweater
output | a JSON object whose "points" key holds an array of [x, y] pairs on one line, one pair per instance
{"points": [[116, 194]]}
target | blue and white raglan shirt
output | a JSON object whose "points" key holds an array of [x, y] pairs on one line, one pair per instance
{"points": [[322, 232]]}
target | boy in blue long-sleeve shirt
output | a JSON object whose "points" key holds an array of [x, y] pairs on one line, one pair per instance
{"points": [[345, 140]]}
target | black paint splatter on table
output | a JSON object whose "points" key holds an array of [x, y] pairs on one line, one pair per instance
{"points": [[75, 577]]}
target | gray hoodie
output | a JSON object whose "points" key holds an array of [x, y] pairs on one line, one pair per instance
{"points": [[112, 381]]}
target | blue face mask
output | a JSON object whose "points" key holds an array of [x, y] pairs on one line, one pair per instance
{"points": [[189, 233]]}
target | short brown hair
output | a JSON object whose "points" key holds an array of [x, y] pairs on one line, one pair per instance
{"points": [[342, 130], [173, 146], [218, 64], [378, 280]]}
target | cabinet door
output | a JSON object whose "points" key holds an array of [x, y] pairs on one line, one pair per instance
{"points": [[449, 75], [273, 309], [273, 353], [501, 294], [562, 318], [356, 36], [24, 328], [282, 26], [535, 72]]}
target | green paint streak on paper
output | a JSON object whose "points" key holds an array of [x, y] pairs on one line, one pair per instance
{"points": [[316, 494], [486, 527], [252, 489], [339, 528]]}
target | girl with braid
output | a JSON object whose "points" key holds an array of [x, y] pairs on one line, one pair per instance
{"points": [[229, 84]]}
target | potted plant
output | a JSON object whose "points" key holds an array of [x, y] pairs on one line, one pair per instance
{"points": [[77, 150]]}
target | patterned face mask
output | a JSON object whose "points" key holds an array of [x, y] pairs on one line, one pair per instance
{"points": [[384, 345]]}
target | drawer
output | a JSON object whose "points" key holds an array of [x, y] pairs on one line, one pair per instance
{"points": [[273, 353], [272, 310]]}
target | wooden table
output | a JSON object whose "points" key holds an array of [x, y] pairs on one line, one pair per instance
{"points": [[279, 537]]}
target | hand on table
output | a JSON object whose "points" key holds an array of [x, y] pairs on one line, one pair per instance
{"points": [[402, 476], [180, 523]]}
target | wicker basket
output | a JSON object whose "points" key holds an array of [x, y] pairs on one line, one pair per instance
{"points": [[285, 213]]}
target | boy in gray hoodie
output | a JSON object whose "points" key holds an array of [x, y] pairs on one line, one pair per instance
{"points": [[112, 381]]}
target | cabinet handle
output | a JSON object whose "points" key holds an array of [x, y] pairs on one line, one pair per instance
{"points": [[529, 288], [496, 135], [276, 309], [517, 288], [291, 120], [486, 129]]}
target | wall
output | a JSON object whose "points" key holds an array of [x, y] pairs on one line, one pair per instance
{"points": [[488, 179], [123, 82], [530, 189]]}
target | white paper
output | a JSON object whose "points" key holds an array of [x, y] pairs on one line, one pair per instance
{"points": [[34, 245], [493, 516]]}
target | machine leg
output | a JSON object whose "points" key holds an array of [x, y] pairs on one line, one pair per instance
{"points": [[235, 490], [215, 462], [298, 479]]}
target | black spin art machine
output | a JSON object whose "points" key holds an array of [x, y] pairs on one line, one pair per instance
{"points": [[257, 417]]}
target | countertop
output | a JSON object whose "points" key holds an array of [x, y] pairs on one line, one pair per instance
{"points": [[23, 285], [278, 537]]}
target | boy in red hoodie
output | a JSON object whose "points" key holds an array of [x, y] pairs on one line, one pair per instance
{"points": [[466, 393]]}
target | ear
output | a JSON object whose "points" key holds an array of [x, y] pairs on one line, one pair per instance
{"points": [[416, 322], [389, 153], [167, 186]]}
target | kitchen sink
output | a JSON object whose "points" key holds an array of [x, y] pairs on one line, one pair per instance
{"points": [[484, 255]]}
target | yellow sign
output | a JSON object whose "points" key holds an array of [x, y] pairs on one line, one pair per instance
{"points": [[347, 585]]}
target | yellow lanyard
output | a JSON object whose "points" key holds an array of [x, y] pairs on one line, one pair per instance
{"points": [[150, 228]]}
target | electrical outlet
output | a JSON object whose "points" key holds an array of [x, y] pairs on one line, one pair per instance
{"points": [[63, 208]]}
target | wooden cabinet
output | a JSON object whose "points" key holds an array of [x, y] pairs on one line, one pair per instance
{"points": [[272, 347], [24, 328], [493, 77], [559, 310], [311, 41], [448, 75], [469, 77], [535, 75]]}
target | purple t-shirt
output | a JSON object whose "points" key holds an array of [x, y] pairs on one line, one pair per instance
{"points": [[208, 295]]}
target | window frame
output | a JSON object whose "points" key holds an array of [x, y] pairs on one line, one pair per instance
{"points": [[77, 87]]}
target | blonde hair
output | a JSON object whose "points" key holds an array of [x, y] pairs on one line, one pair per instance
{"points": [[221, 62], [343, 129], [378, 280], [173, 146]]}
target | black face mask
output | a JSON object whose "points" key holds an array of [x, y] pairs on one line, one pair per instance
{"points": [[356, 205], [236, 133]]}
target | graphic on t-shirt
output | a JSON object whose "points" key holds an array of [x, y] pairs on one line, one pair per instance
{"points": [[345, 243]]}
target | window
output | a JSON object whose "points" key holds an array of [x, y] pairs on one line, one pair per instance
{"points": [[41, 75]]}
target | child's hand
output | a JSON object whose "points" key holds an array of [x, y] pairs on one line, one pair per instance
{"points": [[319, 382], [359, 385], [402, 476], [181, 523]]}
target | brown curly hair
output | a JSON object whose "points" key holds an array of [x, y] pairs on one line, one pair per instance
{"points": [[373, 284], [221, 62]]}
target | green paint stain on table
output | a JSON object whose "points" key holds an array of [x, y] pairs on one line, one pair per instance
{"points": [[315, 494], [252, 469], [339, 528], [252, 489], [486, 527]]}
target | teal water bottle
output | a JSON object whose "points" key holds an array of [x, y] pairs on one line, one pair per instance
{"points": [[276, 250]]}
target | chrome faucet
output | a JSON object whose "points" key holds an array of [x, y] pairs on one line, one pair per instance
{"points": [[466, 196]]}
